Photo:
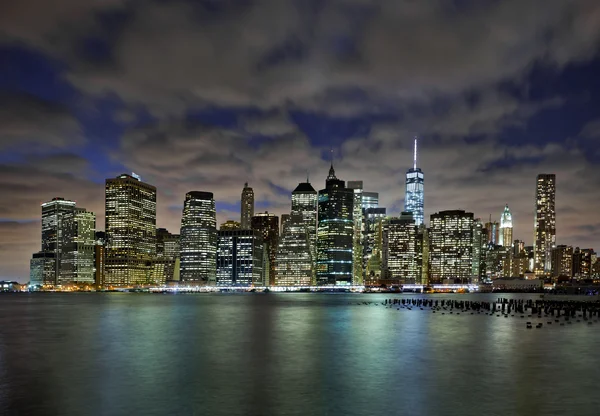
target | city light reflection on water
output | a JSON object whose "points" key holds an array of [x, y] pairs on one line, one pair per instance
{"points": [[288, 354]]}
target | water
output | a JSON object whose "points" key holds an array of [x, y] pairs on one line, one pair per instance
{"points": [[284, 354]]}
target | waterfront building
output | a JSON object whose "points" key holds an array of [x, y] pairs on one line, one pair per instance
{"points": [[84, 243], [267, 225], [304, 202], [399, 255], [479, 247], [357, 217], [544, 223], [247, 207], [451, 246], [335, 233], [506, 228], [414, 200], [198, 239], [582, 263], [166, 265], [371, 238], [240, 258], [294, 263], [130, 227], [562, 261], [42, 269]]}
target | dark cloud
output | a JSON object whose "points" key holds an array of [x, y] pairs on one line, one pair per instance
{"points": [[26, 120]]}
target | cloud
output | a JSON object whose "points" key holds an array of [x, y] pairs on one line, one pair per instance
{"points": [[26, 120]]}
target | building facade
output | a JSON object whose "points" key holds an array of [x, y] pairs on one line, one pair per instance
{"points": [[400, 255], [42, 269], [294, 262], [240, 258], [198, 239], [247, 207], [562, 261], [544, 223], [130, 227], [451, 246], [335, 233], [267, 225]]}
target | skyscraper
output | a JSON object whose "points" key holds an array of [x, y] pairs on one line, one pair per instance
{"points": [[544, 223], [304, 202], [130, 230], [267, 225], [479, 244], [357, 218], [335, 233], [414, 195], [247, 207], [42, 269], [240, 258], [506, 228], [399, 248], [166, 265], [492, 232], [294, 263], [562, 261], [451, 245], [67, 243], [198, 239]]}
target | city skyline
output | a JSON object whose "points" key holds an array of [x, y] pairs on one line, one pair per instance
{"points": [[100, 99]]}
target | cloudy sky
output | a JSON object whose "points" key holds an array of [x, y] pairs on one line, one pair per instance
{"points": [[208, 94]]}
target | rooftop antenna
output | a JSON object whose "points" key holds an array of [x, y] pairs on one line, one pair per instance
{"points": [[307, 177], [415, 156]]}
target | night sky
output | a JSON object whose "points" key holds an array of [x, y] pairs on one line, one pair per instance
{"points": [[207, 95]]}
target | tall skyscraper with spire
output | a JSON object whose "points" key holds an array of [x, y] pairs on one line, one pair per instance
{"points": [[414, 194], [335, 233], [544, 238], [506, 228], [247, 207]]}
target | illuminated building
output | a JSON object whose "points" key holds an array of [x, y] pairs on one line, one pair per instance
{"points": [[42, 269], [285, 219], [267, 225], [304, 202], [335, 233], [198, 239], [230, 225], [399, 255], [582, 263], [492, 232], [451, 245], [357, 216], [562, 261], [369, 199], [544, 222], [166, 265], [506, 228], [240, 258], [130, 230], [479, 244], [414, 200], [68, 234], [294, 263], [99, 258], [372, 218], [247, 207]]}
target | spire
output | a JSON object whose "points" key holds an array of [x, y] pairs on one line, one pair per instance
{"points": [[331, 169], [307, 177], [415, 155], [246, 185]]}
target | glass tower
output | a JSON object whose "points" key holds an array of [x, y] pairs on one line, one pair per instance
{"points": [[414, 195], [130, 227], [544, 223], [506, 228], [451, 245], [267, 225], [335, 233], [198, 239], [240, 258], [294, 263]]}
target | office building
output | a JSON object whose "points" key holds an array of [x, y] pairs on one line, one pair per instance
{"points": [[42, 269], [130, 230], [582, 263], [230, 225], [451, 246], [357, 216], [99, 258], [335, 233], [166, 265], [240, 258], [544, 223], [247, 207], [479, 247], [267, 225], [304, 202], [506, 228], [371, 238], [294, 263], [198, 239], [414, 200], [492, 232], [562, 261], [400, 254]]}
